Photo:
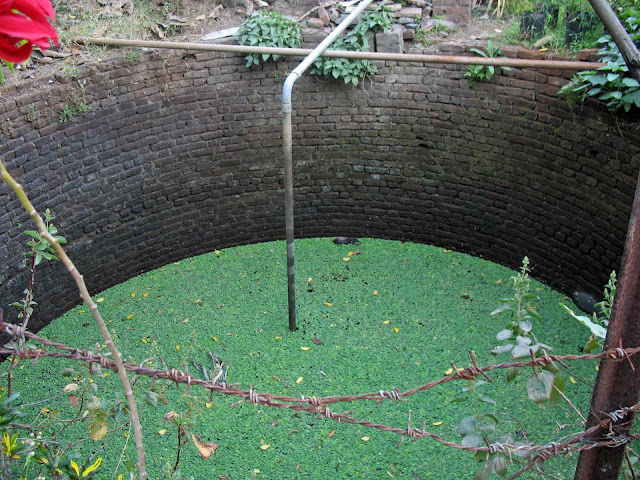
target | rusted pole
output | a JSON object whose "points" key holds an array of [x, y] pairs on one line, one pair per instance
{"points": [[374, 56], [617, 384]]}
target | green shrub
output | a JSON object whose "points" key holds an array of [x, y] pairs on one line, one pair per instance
{"points": [[352, 71], [268, 29], [612, 83]]}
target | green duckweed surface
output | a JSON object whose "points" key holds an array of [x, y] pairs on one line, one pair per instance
{"points": [[393, 315]]}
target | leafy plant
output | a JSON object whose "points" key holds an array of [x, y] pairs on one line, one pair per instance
{"points": [[268, 29], [543, 385], [611, 83], [352, 71], [482, 73]]}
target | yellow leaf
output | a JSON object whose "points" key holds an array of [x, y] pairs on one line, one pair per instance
{"points": [[100, 300], [278, 338], [74, 465], [162, 432], [386, 322], [208, 405], [178, 347], [328, 304], [129, 317], [350, 253], [437, 424], [256, 470], [544, 49], [106, 374], [346, 259], [82, 311], [331, 433], [299, 380], [572, 380], [205, 449], [309, 280], [214, 339], [217, 252], [499, 281], [92, 467], [447, 251], [396, 329], [121, 476], [133, 295], [365, 439], [186, 320], [144, 340], [145, 294], [265, 446], [449, 372], [305, 349], [375, 292]]}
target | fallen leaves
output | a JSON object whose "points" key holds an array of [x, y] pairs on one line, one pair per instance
{"points": [[305, 349], [317, 341], [299, 380], [205, 449], [437, 424], [100, 300], [365, 439]]}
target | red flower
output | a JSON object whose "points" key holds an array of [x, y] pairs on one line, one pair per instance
{"points": [[25, 20]]}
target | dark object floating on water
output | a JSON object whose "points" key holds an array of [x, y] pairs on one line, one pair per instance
{"points": [[345, 240], [587, 303]]}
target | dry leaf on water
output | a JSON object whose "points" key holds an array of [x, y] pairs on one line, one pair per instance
{"points": [[205, 449]]}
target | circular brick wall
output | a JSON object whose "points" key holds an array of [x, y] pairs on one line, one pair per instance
{"points": [[180, 154]]}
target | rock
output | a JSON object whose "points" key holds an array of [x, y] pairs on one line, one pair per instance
{"points": [[227, 32], [324, 16], [394, 7], [546, 40], [315, 22], [334, 14], [405, 20], [412, 26], [431, 23], [390, 42], [419, 3], [413, 12], [584, 302], [345, 241]]}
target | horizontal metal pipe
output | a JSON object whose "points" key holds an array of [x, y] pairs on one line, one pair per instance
{"points": [[379, 56]]}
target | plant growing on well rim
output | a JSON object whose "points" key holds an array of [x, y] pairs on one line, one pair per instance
{"points": [[352, 71], [482, 73], [611, 83], [268, 29]]}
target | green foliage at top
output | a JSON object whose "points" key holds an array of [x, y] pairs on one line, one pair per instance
{"points": [[481, 73], [352, 71], [611, 83], [268, 29]]}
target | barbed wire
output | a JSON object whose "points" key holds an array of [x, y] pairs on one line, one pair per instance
{"points": [[584, 440]]}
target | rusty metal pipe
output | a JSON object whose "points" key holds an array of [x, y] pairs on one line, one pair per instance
{"points": [[374, 56], [617, 383]]}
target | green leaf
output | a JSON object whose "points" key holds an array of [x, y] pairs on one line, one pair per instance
{"points": [[630, 82], [501, 308], [504, 335], [460, 400], [488, 400], [500, 349], [472, 440], [499, 466], [539, 387], [597, 330], [466, 426], [558, 384], [98, 424], [483, 473]]}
